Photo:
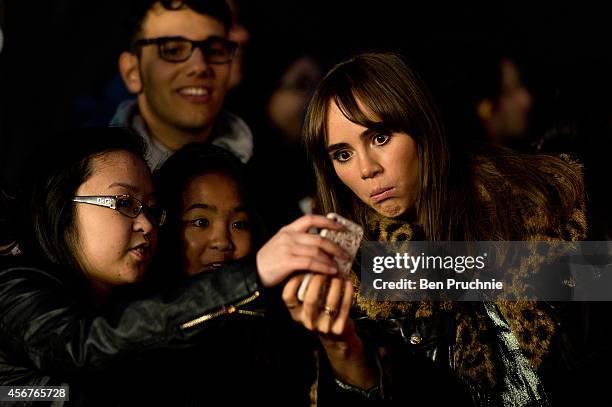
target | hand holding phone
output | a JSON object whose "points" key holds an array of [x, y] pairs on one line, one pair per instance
{"points": [[348, 239]]}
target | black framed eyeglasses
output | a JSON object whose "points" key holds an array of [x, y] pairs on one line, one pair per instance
{"points": [[126, 205], [216, 50]]}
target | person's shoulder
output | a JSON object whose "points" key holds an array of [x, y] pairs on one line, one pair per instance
{"points": [[523, 172], [233, 134], [17, 269], [544, 194], [125, 110]]}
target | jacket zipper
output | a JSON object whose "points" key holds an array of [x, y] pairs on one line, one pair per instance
{"points": [[251, 313], [225, 310]]}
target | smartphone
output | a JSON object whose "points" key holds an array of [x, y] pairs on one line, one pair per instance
{"points": [[348, 239]]}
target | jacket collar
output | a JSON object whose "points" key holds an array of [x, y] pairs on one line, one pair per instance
{"points": [[230, 132]]}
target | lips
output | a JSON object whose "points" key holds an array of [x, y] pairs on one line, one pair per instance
{"points": [[141, 252], [380, 194], [199, 94], [195, 91], [212, 266]]}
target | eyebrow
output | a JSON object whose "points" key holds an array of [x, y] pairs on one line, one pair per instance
{"points": [[131, 188], [123, 185], [213, 208], [364, 134], [181, 38]]}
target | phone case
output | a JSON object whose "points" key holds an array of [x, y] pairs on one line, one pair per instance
{"points": [[349, 239]]}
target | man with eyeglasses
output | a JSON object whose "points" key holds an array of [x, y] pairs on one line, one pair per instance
{"points": [[178, 66]]}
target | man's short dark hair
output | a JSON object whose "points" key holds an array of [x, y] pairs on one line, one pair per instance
{"points": [[217, 9], [46, 213]]}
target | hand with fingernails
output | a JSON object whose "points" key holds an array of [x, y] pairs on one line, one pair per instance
{"points": [[329, 318], [324, 317], [294, 249]]}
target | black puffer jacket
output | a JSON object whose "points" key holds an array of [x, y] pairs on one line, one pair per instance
{"points": [[50, 335]]}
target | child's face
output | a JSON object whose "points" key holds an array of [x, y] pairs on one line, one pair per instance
{"points": [[113, 248], [216, 225]]}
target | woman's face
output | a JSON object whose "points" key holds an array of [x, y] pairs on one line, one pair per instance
{"points": [[216, 225], [381, 169], [113, 248], [288, 102]]}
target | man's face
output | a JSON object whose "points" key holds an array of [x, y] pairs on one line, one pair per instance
{"points": [[185, 95]]}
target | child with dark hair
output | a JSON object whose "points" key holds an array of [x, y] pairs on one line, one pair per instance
{"points": [[212, 221], [203, 188]]}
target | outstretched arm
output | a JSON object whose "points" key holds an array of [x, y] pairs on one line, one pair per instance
{"points": [[43, 323]]}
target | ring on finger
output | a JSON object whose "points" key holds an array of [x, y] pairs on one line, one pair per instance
{"points": [[292, 305], [330, 311]]}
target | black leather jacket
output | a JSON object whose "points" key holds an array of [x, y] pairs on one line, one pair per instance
{"points": [[50, 335], [418, 360]]}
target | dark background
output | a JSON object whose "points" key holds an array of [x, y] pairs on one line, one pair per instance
{"points": [[58, 50]]}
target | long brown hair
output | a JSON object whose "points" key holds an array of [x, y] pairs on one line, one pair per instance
{"points": [[453, 195]]}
